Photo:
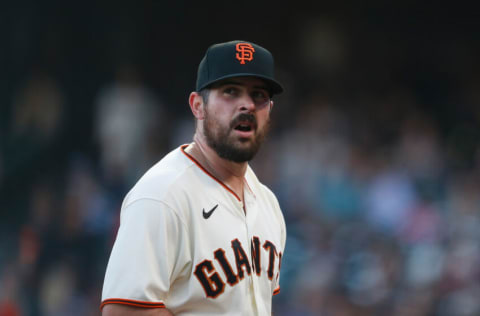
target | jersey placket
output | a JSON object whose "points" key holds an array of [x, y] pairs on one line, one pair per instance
{"points": [[244, 211], [251, 213]]}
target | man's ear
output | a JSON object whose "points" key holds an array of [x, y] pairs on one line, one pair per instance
{"points": [[196, 105], [271, 105]]}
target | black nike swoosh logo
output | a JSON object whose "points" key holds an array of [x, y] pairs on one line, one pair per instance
{"points": [[209, 213]]}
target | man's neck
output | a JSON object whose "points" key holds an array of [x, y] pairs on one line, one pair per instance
{"points": [[229, 172]]}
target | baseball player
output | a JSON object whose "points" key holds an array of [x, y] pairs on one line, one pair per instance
{"points": [[199, 234]]}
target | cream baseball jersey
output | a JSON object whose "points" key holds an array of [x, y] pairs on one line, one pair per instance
{"points": [[186, 243]]}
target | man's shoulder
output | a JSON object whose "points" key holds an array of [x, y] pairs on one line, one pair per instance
{"points": [[267, 196], [162, 177]]}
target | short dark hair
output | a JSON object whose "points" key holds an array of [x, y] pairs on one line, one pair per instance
{"points": [[205, 93]]}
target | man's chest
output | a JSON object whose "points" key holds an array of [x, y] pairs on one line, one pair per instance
{"points": [[234, 248]]}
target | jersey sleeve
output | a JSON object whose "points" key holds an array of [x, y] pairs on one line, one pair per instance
{"points": [[150, 252]]}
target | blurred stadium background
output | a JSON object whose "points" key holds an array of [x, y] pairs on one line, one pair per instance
{"points": [[374, 153]]}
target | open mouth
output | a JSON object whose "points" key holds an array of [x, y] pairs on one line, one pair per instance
{"points": [[245, 123], [247, 127]]}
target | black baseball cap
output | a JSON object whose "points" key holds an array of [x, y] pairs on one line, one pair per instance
{"points": [[237, 59]]}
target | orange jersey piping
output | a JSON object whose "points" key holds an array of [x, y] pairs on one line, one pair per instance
{"points": [[132, 303], [276, 291], [208, 173]]}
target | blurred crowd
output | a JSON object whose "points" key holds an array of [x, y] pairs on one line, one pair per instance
{"points": [[382, 209], [375, 227], [379, 182]]}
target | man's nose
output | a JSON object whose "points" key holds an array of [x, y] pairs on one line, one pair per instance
{"points": [[247, 103]]}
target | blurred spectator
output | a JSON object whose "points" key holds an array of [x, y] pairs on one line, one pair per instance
{"points": [[390, 199], [420, 154], [35, 124], [38, 109], [9, 292], [130, 125]]}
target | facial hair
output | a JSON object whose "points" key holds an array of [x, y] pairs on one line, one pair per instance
{"points": [[226, 145]]}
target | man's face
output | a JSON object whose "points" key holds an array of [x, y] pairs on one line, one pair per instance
{"points": [[237, 117]]}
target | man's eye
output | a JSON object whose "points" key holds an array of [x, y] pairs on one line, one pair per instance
{"points": [[230, 91], [260, 96]]}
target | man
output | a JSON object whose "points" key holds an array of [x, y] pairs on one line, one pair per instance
{"points": [[199, 234]]}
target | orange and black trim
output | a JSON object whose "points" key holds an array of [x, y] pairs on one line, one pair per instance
{"points": [[207, 172], [132, 303], [213, 285], [241, 258], [270, 247], [227, 268], [255, 251], [276, 291]]}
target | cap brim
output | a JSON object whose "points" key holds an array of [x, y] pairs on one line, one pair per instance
{"points": [[274, 86]]}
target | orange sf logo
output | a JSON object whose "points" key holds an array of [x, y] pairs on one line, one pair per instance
{"points": [[244, 52]]}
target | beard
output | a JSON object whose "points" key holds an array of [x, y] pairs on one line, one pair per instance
{"points": [[229, 147]]}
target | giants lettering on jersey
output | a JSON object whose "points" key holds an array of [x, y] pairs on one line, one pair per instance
{"points": [[212, 282]]}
